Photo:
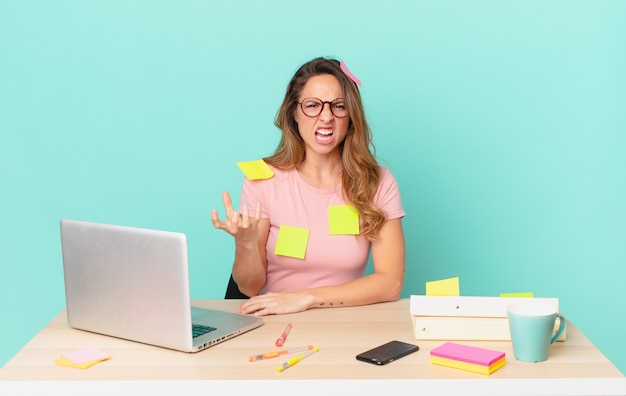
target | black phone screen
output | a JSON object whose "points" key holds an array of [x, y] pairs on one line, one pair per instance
{"points": [[387, 353]]}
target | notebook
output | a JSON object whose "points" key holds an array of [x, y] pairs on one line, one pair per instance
{"points": [[133, 283]]}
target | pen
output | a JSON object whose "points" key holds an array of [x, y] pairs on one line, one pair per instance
{"points": [[281, 340], [273, 354], [296, 359]]}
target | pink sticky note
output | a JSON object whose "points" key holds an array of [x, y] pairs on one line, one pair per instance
{"points": [[86, 355], [467, 353], [349, 73]]}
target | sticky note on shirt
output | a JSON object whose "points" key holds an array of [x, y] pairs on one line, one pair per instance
{"points": [[444, 287], [255, 170], [292, 241], [343, 220]]}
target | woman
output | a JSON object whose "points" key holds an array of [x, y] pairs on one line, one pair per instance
{"points": [[324, 163]]}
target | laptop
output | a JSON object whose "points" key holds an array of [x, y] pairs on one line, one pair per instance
{"points": [[133, 283]]}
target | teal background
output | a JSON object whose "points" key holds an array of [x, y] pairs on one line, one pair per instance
{"points": [[503, 121]]}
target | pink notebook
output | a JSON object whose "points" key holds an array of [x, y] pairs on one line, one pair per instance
{"points": [[466, 353]]}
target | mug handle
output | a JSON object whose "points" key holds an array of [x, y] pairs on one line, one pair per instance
{"points": [[559, 332]]}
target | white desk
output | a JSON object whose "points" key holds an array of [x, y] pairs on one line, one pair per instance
{"points": [[574, 367]]}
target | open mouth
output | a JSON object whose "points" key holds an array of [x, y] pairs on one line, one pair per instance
{"points": [[324, 135]]}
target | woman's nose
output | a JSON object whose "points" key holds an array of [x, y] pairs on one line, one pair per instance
{"points": [[326, 113]]}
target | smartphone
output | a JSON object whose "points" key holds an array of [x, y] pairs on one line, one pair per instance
{"points": [[387, 353]]}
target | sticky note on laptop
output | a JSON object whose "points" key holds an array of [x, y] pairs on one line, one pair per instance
{"points": [[444, 287]]}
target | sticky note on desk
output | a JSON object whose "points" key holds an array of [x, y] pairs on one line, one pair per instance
{"points": [[444, 287], [255, 170], [65, 362], [518, 294], [467, 357], [85, 355], [343, 220], [83, 358]]}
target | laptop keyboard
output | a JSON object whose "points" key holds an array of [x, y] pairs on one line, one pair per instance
{"points": [[198, 330]]}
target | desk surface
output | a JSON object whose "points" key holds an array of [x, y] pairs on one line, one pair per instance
{"points": [[574, 367]]}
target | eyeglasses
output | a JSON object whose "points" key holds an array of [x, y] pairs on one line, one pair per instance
{"points": [[312, 107]]}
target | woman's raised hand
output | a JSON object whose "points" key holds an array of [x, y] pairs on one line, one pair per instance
{"points": [[239, 225]]}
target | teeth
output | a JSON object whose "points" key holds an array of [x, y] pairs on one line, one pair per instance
{"points": [[325, 132]]}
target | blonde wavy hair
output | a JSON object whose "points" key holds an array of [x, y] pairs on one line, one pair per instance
{"points": [[361, 172]]}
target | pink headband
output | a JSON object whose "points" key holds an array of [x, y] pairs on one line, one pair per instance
{"points": [[349, 74]]}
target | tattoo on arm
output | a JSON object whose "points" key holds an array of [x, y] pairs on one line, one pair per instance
{"points": [[332, 304]]}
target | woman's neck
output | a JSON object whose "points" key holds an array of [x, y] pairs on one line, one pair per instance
{"points": [[323, 173]]}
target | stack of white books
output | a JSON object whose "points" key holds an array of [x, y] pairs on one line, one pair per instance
{"points": [[466, 317]]}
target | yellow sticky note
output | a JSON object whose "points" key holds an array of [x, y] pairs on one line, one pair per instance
{"points": [[255, 170], [343, 219], [66, 362], [518, 294], [292, 241], [444, 287]]}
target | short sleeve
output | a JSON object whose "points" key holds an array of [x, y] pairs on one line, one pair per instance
{"points": [[251, 194], [388, 195]]}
